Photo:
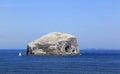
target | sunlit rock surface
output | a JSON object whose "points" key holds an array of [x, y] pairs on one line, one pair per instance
{"points": [[54, 43]]}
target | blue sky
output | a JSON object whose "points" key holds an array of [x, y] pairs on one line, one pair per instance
{"points": [[96, 23]]}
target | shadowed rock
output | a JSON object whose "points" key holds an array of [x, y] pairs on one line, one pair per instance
{"points": [[55, 43]]}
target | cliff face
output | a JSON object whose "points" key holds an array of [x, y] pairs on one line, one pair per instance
{"points": [[55, 43]]}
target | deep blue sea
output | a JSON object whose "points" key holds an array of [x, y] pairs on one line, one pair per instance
{"points": [[90, 62]]}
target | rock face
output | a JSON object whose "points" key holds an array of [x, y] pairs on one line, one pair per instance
{"points": [[55, 43]]}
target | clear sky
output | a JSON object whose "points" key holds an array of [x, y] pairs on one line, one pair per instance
{"points": [[96, 23]]}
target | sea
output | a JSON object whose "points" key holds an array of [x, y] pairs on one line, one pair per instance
{"points": [[89, 62]]}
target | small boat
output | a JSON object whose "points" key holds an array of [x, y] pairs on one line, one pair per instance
{"points": [[20, 54]]}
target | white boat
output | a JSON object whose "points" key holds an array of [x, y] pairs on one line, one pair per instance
{"points": [[20, 54]]}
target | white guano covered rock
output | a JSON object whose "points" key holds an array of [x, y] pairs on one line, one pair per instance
{"points": [[54, 43]]}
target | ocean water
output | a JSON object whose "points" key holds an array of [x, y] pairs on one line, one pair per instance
{"points": [[90, 62]]}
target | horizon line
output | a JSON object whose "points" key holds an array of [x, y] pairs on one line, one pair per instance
{"points": [[80, 49]]}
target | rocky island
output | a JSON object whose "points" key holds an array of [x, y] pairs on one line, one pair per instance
{"points": [[55, 43]]}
